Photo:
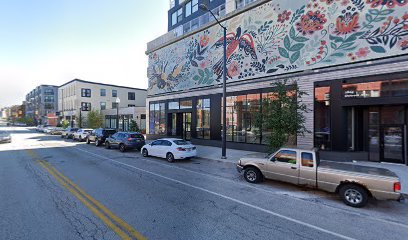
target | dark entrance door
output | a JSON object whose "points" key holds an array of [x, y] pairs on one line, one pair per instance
{"points": [[392, 143], [180, 125], [187, 126]]}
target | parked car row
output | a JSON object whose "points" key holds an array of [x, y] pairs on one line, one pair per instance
{"points": [[168, 148]]}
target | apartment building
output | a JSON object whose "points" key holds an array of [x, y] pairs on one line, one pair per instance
{"points": [[40, 102], [351, 57], [77, 97]]}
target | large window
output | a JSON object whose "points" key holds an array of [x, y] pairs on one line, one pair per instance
{"points": [[186, 104], [85, 92], [115, 105], [103, 92], [194, 7], [394, 88], [114, 93], [157, 118], [48, 91], [86, 106], [173, 18], [174, 105], [188, 9], [103, 105], [203, 118], [322, 118], [242, 112], [48, 99], [131, 96], [180, 15]]}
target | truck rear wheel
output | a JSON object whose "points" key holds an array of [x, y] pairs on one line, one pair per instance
{"points": [[353, 195], [252, 175]]}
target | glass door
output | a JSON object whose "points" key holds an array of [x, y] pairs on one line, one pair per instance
{"points": [[187, 126], [392, 143]]}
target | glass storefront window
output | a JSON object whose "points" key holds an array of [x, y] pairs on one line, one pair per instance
{"points": [[242, 111], [157, 118], [174, 105], [203, 118], [389, 88], [322, 118], [186, 104]]}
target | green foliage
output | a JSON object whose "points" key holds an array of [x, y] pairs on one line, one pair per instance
{"points": [[65, 123], [133, 126], [95, 119], [283, 115]]}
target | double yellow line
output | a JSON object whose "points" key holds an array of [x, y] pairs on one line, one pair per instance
{"points": [[120, 227]]}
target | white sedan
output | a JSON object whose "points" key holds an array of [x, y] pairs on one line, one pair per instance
{"points": [[81, 134], [170, 148]]}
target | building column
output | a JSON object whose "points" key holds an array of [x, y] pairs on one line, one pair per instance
{"points": [[307, 140]]}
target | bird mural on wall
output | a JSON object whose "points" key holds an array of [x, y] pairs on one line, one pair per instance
{"points": [[234, 42], [161, 79]]}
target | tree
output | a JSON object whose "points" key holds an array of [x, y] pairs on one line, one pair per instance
{"points": [[65, 123], [283, 114], [133, 126], [95, 119]]}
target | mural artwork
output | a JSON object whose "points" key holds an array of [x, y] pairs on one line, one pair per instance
{"points": [[283, 36]]}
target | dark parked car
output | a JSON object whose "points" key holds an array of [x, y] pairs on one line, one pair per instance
{"points": [[69, 132], [99, 135], [125, 140]]}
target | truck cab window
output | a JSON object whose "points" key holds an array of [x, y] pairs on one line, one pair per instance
{"points": [[285, 156], [307, 159]]}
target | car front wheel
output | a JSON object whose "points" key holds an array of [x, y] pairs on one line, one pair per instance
{"points": [[97, 143], [122, 148], [170, 157], [88, 141], [252, 175], [145, 153], [354, 195]]}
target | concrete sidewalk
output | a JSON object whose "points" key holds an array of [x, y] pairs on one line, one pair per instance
{"points": [[233, 155]]}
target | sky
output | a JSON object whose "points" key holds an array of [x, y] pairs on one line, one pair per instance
{"points": [[55, 41]]}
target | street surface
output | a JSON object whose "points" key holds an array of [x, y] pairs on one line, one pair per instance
{"points": [[58, 189]]}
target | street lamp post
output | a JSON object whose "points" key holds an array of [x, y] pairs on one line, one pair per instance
{"points": [[80, 117], [224, 85], [117, 113]]}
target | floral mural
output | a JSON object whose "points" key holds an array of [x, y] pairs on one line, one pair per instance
{"points": [[281, 37]]}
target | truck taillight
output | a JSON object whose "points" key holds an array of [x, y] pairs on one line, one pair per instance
{"points": [[397, 187]]}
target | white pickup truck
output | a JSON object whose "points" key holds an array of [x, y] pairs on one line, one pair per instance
{"points": [[354, 183]]}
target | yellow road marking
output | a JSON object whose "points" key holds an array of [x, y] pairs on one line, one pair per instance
{"points": [[100, 215], [122, 223], [90, 202]]}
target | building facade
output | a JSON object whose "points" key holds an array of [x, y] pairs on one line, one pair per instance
{"points": [[78, 97], [349, 56], [40, 102], [126, 115]]}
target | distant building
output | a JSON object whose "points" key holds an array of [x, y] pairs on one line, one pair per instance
{"points": [[126, 115], [41, 101], [77, 97]]}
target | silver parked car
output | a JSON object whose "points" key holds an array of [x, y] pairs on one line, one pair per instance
{"points": [[5, 137]]}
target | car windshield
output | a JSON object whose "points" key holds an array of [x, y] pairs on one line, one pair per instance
{"points": [[136, 136], [181, 142]]}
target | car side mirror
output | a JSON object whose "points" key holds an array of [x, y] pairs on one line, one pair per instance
{"points": [[273, 159]]}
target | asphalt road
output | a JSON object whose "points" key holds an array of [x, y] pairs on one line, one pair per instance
{"points": [[52, 188]]}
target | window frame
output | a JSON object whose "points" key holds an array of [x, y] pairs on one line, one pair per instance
{"points": [[86, 92], [103, 92], [114, 93], [131, 95]]}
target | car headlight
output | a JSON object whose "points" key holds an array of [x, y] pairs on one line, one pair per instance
{"points": [[239, 162]]}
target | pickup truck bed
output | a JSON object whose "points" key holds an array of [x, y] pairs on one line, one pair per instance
{"points": [[356, 168]]}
